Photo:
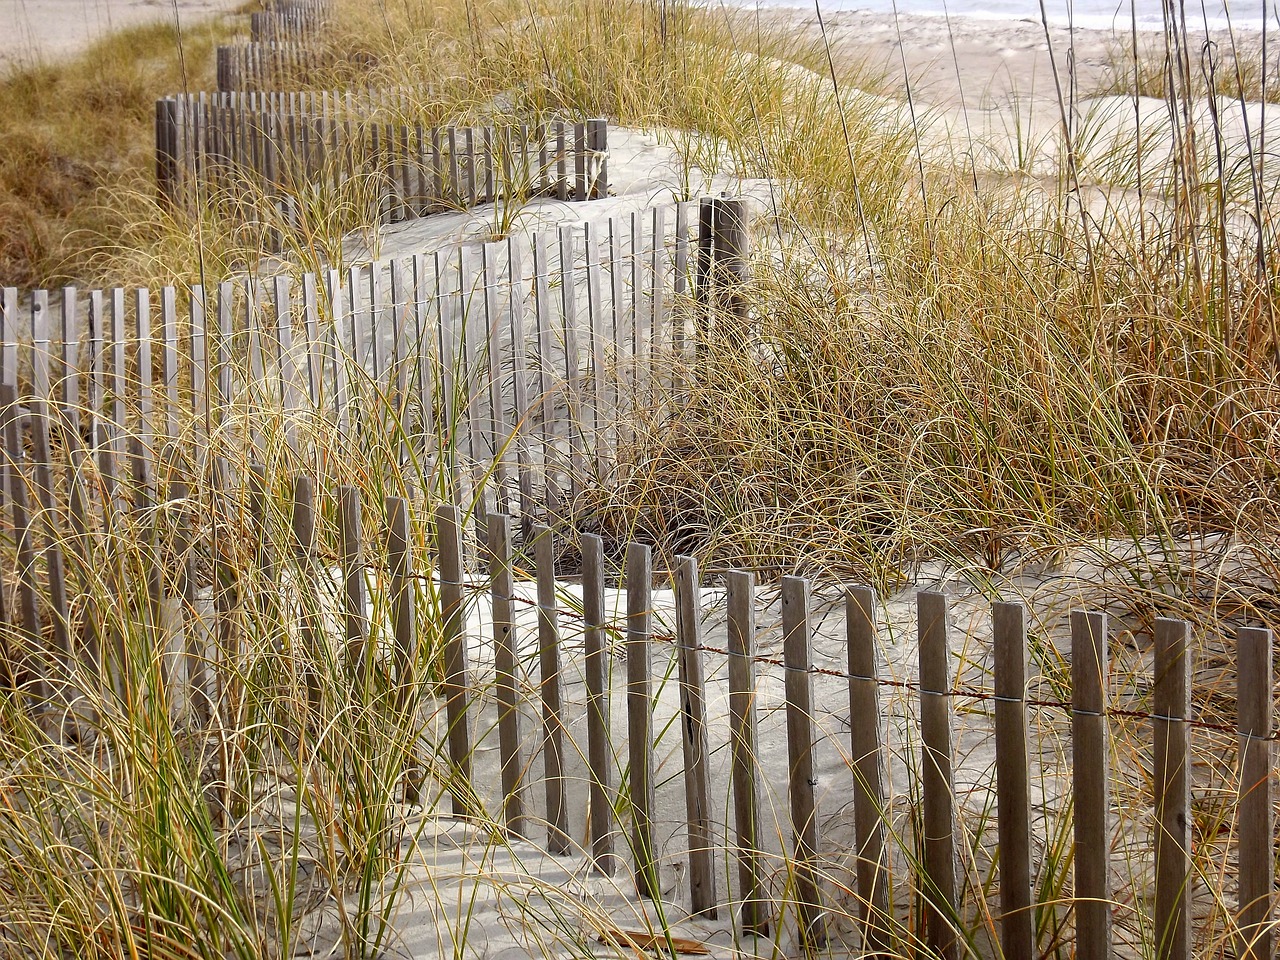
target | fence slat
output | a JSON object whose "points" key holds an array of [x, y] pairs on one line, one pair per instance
{"points": [[640, 716], [311, 624], [1013, 781], [551, 682], [740, 587], [797, 644], [1255, 816], [404, 605], [869, 801], [1171, 697], [939, 881], [599, 752], [456, 691], [693, 726], [1089, 775], [506, 666]]}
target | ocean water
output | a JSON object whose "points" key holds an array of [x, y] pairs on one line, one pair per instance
{"points": [[1096, 14]]}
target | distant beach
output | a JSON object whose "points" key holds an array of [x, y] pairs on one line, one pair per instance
{"points": [[40, 30]]}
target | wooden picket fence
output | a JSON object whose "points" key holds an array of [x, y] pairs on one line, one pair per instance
{"points": [[727, 823], [485, 400], [266, 156], [509, 370], [289, 19]]}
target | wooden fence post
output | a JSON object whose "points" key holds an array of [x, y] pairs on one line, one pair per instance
{"points": [[359, 651], [693, 712], [404, 609], [506, 665], [456, 691], [1172, 702], [303, 525], [1090, 751], [1013, 787], [1255, 817], [740, 587], [730, 247], [797, 645], [939, 793], [599, 754], [869, 801], [598, 144], [640, 716], [552, 708]]}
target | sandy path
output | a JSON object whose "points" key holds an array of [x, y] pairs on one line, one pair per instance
{"points": [[36, 31]]}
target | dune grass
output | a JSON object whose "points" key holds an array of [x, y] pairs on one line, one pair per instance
{"points": [[1000, 370]]}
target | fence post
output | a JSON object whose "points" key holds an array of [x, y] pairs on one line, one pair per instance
{"points": [[598, 752], [640, 716], [505, 667], [1090, 750], [303, 524], [1172, 701], [1255, 817], [452, 612], [552, 708], [869, 803], [730, 247], [598, 144], [939, 793], [1013, 788], [740, 587], [697, 775], [797, 640], [166, 151], [404, 596], [359, 652]]}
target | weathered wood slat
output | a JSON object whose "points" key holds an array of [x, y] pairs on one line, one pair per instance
{"points": [[1090, 749], [639, 582], [740, 587], [599, 753], [1171, 696], [551, 683], [1013, 781], [869, 774], [693, 726], [939, 881]]}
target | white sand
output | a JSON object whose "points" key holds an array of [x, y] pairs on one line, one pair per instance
{"points": [[36, 31]]}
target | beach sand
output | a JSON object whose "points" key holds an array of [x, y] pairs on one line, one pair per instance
{"points": [[39, 31]]}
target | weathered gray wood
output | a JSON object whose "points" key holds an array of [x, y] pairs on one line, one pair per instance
{"points": [[939, 881], [359, 649], [1255, 816], [311, 623], [598, 143], [693, 726], [1171, 696], [456, 690], [740, 587], [600, 412], [729, 270], [599, 753], [572, 374], [30, 672], [61, 673], [520, 392], [797, 646], [264, 546], [1090, 750], [639, 581], [542, 314], [285, 369], [551, 683], [1013, 781], [9, 336], [169, 357], [404, 622], [506, 668], [869, 774]]}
